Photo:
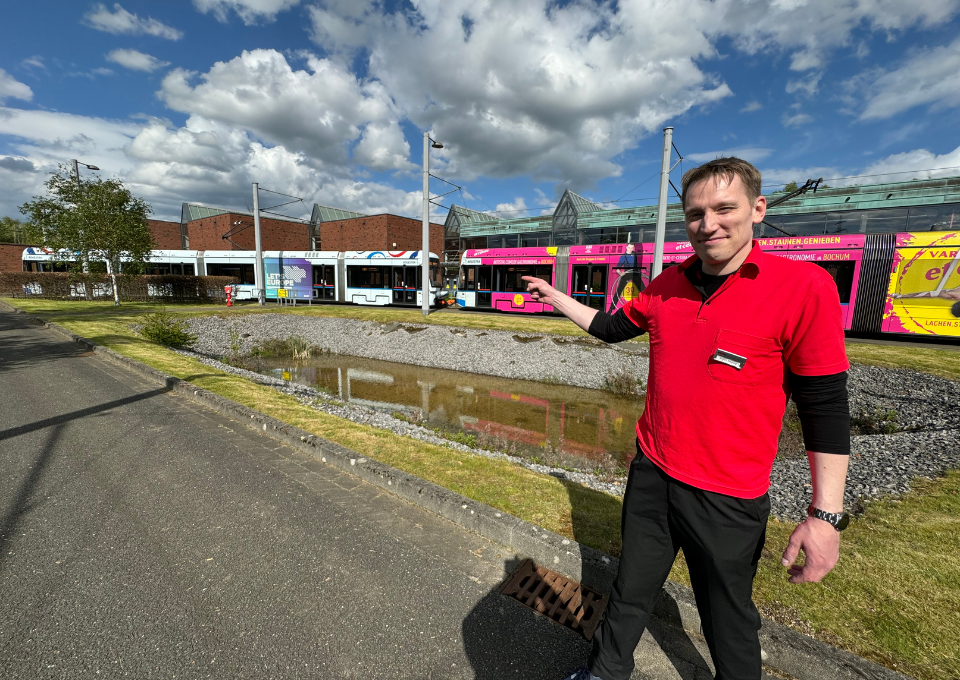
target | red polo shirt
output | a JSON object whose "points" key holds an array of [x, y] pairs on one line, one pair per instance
{"points": [[708, 423]]}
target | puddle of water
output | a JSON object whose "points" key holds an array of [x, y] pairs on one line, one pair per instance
{"points": [[554, 424]]}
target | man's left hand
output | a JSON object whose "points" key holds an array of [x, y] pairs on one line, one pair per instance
{"points": [[820, 543]]}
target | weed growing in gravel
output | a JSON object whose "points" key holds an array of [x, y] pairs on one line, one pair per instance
{"points": [[622, 382], [165, 329], [881, 421], [293, 346]]}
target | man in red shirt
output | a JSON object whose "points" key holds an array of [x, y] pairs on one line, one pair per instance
{"points": [[733, 333]]}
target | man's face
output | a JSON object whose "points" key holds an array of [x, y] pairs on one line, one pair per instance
{"points": [[629, 248], [720, 217]]}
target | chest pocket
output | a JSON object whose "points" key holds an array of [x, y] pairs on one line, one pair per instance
{"points": [[760, 359]]}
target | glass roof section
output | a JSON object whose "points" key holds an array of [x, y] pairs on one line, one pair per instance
{"points": [[580, 203], [325, 213]]}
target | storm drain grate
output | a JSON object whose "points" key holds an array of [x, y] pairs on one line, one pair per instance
{"points": [[557, 597]]}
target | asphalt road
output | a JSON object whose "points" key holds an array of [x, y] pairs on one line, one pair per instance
{"points": [[144, 536]]}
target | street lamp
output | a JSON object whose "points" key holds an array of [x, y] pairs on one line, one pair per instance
{"points": [[425, 245], [76, 170]]}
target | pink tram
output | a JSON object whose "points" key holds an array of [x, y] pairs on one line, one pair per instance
{"points": [[888, 283]]}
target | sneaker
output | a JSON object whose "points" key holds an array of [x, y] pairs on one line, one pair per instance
{"points": [[582, 673]]}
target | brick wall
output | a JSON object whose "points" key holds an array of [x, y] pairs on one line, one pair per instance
{"points": [[207, 233], [11, 257], [166, 235], [378, 232]]}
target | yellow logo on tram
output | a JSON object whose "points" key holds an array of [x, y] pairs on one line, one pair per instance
{"points": [[518, 300], [630, 291]]}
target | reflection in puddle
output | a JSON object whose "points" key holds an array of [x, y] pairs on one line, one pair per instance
{"points": [[554, 424]]}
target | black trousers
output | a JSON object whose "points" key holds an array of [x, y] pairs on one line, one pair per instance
{"points": [[721, 538]]}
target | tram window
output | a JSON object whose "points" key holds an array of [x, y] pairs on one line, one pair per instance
{"points": [[366, 277], [886, 221], [842, 274], [543, 271], [934, 218], [468, 278], [243, 272], [508, 279], [188, 270]]}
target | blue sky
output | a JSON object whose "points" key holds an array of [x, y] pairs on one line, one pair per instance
{"points": [[328, 99]]}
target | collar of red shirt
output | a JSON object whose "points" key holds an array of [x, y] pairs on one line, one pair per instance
{"points": [[750, 267]]}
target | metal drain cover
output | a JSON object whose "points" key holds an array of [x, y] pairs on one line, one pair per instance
{"points": [[556, 597]]}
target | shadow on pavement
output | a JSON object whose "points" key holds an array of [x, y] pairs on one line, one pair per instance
{"points": [[21, 505], [82, 413], [504, 639]]}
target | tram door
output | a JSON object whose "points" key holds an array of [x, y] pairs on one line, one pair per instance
{"points": [[323, 282], [590, 285], [405, 285], [484, 286]]}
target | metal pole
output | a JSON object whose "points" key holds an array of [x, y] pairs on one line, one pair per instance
{"points": [[662, 204], [258, 263], [425, 246], [76, 173]]}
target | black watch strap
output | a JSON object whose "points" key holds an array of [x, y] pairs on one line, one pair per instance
{"points": [[839, 520]]}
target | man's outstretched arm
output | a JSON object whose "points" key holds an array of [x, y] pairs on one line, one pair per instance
{"points": [[543, 292]]}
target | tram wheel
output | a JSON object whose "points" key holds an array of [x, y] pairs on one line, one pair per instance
{"points": [[955, 309]]}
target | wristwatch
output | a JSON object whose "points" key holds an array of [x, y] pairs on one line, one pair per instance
{"points": [[839, 520]]}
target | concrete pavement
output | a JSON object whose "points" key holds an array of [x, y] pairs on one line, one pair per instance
{"points": [[143, 536]]}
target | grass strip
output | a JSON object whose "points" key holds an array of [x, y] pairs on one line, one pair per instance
{"points": [[893, 597]]}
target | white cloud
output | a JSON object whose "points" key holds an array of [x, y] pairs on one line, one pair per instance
{"points": [[796, 120], [135, 60], [122, 22], [319, 111], [516, 208], [751, 154], [929, 77], [34, 62], [10, 87], [249, 11], [916, 164], [530, 87], [808, 85], [751, 106], [202, 161], [811, 29]]}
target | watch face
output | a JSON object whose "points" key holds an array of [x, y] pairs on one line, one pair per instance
{"points": [[844, 521]]}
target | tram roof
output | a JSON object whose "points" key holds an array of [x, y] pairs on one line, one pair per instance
{"points": [[828, 199]]}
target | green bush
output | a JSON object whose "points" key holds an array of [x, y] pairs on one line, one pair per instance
{"points": [[165, 329]]}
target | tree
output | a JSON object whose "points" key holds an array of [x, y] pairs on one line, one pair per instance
{"points": [[791, 186], [96, 219], [16, 231]]}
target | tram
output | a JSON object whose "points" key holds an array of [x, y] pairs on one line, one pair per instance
{"points": [[370, 277], [905, 283]]}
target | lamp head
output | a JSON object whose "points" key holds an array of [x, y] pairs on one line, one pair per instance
{"points": [[91, 167], [437, 145]]}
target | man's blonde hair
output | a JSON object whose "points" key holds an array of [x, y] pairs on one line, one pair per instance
{"points": [[724, 168]]}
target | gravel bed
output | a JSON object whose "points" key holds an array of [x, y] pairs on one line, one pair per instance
{"points": [[927, 407]]}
